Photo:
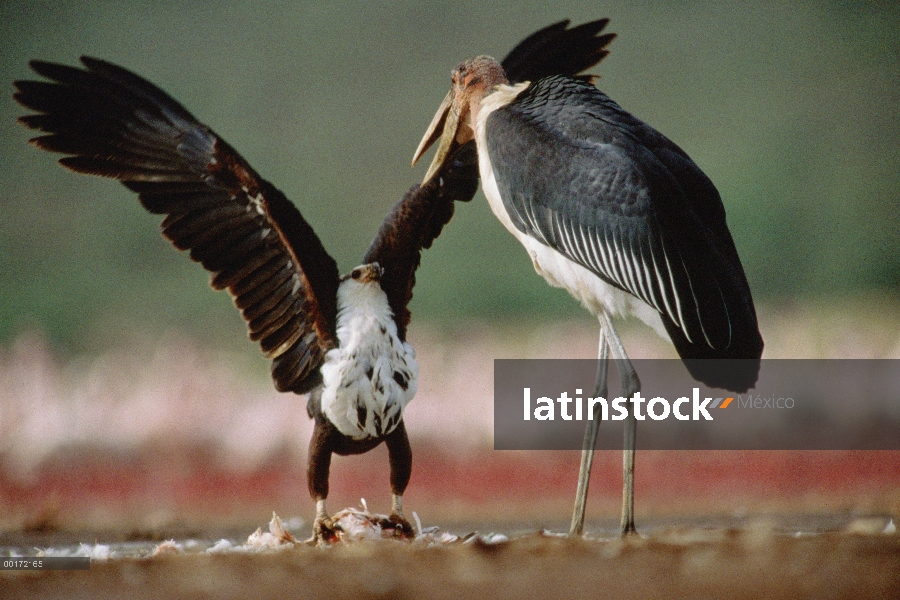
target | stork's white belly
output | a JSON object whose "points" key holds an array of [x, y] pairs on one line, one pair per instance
{"points": [[371, 376], [595, 294]]}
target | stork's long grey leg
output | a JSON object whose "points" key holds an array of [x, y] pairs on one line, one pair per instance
{"points": [[590, 438], [630, 386]]}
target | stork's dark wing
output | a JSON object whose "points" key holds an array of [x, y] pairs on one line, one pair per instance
{"points": [[557, 50], [237, 225], [584, 177], [414, 223]]}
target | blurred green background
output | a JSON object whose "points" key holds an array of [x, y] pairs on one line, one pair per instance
{"points": [[793, 110]]}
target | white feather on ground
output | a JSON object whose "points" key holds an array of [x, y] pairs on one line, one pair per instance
{"points": [[277, 538]]}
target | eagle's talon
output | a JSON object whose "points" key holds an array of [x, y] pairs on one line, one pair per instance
{"points": [[325, 531], [402, 528]]}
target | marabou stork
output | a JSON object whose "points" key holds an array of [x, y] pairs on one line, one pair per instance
{"points": [[340, 339], [614, 212]]}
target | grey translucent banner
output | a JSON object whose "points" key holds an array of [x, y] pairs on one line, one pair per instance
{"points": [[796, 405]]}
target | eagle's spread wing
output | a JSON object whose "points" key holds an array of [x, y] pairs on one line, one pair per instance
{"points": [[414, 223], [243, 230]]}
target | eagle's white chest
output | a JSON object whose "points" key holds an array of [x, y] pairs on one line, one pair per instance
{"points": [[371, 376], [559, 271]]}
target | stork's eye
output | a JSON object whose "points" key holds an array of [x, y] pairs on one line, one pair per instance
{"points": [[356, 274]]}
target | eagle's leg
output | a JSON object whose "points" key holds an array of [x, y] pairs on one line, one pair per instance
{"points": [[400, 457], [317, 472]]}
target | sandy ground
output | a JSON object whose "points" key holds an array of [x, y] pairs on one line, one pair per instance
{"points": [[759, 560], [747, 540]]}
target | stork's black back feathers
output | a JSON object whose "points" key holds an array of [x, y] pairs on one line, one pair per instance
{"points": [[612, 194], [237, 225]]}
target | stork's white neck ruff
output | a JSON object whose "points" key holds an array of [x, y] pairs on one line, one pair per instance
{"points": [[594, 294], [501, 96], [371, 376]]}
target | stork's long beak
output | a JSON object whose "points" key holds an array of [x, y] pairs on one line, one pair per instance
{"points": [[446, 120]]}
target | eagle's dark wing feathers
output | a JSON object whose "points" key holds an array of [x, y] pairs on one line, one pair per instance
{"points": [[414, 223], [243, 230]]}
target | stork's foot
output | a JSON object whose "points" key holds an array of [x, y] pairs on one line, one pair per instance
{"points": [[400, 526], [628, 529], [325, 531]]}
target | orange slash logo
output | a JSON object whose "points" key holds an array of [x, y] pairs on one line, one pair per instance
{"points": [[719, 404]]}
